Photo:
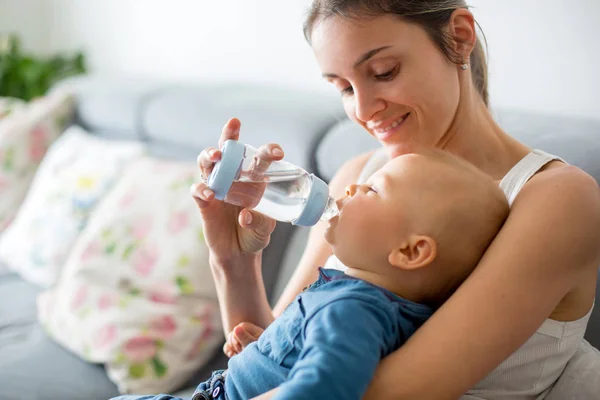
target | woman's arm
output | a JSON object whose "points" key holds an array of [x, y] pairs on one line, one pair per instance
{"points": [[317, 249], [241, 292], [548, 246]]}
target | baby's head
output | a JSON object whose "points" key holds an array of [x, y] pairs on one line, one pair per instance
{"points": [[424, 218]]}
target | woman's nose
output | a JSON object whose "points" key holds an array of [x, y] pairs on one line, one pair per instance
{"points": [[351, 190], [367, 105]]}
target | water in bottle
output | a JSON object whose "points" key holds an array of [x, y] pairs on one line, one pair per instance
{"points": [[280, 190]]}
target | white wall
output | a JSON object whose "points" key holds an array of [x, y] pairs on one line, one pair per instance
{"points": [[544, 54]]}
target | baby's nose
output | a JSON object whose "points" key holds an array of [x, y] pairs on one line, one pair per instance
{"points": [[351, 190]]}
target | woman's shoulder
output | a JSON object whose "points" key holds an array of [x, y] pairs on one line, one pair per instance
{"points": [[565, 185], [560, 207], [349, 173]]}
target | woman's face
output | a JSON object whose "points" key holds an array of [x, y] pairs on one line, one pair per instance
{"points": [[393, 79]]}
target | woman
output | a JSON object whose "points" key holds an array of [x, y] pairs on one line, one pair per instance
{"points": [[413, 72]]}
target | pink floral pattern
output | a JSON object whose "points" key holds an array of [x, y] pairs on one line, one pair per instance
{"points": [[106, 336], [163, 327], [145, 260], [140, 349], [164, 293], [91, 251], [179, 221], [38, 146], [141, 228], [79, 298], [107, 301]]}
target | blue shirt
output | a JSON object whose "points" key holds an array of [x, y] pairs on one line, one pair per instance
{"points": [[327, 343]]}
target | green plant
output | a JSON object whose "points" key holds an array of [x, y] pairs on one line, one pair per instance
{"points": [[25, 76]]}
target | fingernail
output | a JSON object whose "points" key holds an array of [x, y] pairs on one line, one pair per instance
{"points": [[207, 193], [211, 152], [248, 218], [277, 152]]}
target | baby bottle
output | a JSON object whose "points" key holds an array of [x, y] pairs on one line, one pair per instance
{"points": [[280, 190]]}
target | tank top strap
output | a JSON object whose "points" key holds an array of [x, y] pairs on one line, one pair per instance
{"points": [[517, 177]]}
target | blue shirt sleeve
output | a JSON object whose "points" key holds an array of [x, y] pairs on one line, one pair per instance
{"points": [[343, 344]]}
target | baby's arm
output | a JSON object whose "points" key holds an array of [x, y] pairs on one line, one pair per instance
{"points": [[343, 344]]}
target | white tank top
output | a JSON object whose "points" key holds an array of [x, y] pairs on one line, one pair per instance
{"points": [[531, 371]]}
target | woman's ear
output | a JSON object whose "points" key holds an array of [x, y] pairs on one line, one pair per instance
{"points": [[462, 30], [416, 252]]}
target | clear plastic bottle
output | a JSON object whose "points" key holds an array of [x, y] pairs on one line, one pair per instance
{"points": [[280, 190]]}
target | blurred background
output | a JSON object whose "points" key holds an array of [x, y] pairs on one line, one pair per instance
{"points": [[544, 55], [100, 299]]}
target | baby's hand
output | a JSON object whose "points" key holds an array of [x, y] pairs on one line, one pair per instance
{"points": [[241, 336]]}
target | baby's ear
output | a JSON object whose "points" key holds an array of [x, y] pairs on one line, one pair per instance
{"points": [[416, 252]]}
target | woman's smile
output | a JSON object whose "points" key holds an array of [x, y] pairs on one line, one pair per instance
{"points": [[385, 132]]}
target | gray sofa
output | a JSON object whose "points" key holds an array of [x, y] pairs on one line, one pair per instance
{"points": [[177, 121]]}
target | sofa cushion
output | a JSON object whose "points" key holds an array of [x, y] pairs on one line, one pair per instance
{"points": [[26, 132], [137, 292]]}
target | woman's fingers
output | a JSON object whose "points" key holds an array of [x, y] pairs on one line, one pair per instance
{"points": [[231, 131], [265, 155], [259, 223], [207, 159], [202, 194]]}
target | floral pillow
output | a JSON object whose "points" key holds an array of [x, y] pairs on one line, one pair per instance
{"points": [[26, 132], [77, 171], [137, 293]]}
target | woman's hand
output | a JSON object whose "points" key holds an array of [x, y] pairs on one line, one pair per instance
{"points": [[240, 337], [236, 237], [231, 230]]}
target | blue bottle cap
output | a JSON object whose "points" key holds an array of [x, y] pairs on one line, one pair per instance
{"points": [[315, 204], [227, 170]]}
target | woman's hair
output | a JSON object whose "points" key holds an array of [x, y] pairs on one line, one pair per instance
{"points": [[431, 15]]}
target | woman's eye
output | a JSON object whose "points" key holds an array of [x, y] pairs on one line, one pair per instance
{"points": [[386, 76]]}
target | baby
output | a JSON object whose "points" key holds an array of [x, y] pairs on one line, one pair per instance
{"points": [[410, 236]]}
